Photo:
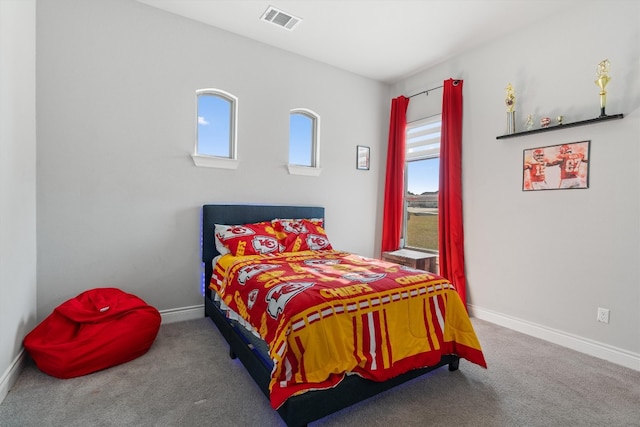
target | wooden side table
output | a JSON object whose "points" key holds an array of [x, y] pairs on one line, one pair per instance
{"points": [[414, 259]]}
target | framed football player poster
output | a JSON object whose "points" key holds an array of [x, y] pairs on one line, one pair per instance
{"points": [[556, 167]]}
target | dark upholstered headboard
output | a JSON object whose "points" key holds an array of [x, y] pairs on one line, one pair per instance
{"points": [[244, 214]]}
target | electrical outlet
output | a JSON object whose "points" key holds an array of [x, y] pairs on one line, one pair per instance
{"points": [[603, 315]]}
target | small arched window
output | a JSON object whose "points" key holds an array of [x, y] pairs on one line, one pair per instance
{"points": [[216, 129], [304, 142]]}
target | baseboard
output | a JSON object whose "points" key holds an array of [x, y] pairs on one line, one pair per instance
{"points": [[583, 345], [10, 376], [181, 314]]}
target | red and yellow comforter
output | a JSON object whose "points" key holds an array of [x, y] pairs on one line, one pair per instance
{"points": [[328, 313]]}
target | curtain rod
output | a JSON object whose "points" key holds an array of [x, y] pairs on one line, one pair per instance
{"points": [[425, 91], [424, 118]]}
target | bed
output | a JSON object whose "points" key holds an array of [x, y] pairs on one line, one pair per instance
{"points": [[286, 371]]}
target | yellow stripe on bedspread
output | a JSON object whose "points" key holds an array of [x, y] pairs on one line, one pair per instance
{"points": [[376, 334]]}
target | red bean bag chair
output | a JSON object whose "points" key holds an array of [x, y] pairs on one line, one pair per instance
{"points": [[97, 329]]}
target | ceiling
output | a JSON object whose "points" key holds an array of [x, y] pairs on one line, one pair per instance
{"points": [[385, 40]]}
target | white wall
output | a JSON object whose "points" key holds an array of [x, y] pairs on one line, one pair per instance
{"points": [[543, 262], [17, 184], [118, 195]]}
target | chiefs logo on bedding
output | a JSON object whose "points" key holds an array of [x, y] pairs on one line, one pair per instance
{"points": [[410, 269], [296, 227], [234, 232], [265, 244], [363, 276], [317, 242], [249, 271], [253, 297], [279, 296], [322, 261]]}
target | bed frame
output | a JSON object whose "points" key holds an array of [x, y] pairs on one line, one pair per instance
{"points": [[298, 410]]}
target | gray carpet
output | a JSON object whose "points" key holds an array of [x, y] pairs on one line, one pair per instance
{"points": [[187, 379]]}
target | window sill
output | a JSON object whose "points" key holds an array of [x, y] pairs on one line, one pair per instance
{"points": [[304, 170], [214, 162]]}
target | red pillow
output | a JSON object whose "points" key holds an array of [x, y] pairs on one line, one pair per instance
{"points": [[248, 239], [297, 235]]}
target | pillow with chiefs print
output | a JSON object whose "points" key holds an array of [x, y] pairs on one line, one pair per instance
{"points": [[297, 235], [248, 239]]}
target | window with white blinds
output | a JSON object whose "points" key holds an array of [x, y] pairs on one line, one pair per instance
{"points": [[423, 138], [422, 170]]}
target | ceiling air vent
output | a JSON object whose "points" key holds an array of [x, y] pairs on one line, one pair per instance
{"points": [[280, 18]]}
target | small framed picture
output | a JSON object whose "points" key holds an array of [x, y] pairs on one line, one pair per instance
{"points": [[557, 167], [362, 157]]}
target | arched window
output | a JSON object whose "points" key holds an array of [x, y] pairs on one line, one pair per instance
{"points": [[304, 142], [216, 129]]}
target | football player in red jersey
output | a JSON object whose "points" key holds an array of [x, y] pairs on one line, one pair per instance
{"points": [[570, 164], [537, 170]]}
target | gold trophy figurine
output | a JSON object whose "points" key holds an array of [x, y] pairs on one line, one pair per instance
{"points": [[510, 102], [603, 79]]}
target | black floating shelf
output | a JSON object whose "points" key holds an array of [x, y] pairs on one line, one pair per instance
{"points": [[562, 126]]}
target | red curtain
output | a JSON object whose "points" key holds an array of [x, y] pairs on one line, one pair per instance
{"points": [[450, 231], [394, 182]]}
